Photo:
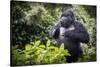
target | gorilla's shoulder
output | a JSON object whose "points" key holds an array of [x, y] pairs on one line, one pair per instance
{"points": [[78, 24]]}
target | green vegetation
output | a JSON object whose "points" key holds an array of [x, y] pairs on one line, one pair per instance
{"points": [[30, 26], [39, 54]]}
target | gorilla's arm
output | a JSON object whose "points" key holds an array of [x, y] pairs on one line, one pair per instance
{"points": [[79, 34], [55, 31]]}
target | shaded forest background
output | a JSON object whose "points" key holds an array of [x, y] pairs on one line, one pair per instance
{"points": [[30, 26]]}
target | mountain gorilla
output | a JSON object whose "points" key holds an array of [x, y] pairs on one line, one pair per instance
{"points": [[71, 33]]}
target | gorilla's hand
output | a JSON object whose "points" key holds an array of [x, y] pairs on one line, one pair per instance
{"points": [[56, 33]]}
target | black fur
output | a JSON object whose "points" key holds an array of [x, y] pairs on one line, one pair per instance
{"points": [[74, 34]]}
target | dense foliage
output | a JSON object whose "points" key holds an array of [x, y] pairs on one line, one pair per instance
{"points": [[39, 54], [30, 26]]}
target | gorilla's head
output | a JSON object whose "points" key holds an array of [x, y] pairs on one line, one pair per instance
{"points": [[67, 18]]}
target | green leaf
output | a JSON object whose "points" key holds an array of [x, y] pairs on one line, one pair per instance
{"points": [[42, 46], [37, 43], [48, 43], [62, 46], [28, 47]]}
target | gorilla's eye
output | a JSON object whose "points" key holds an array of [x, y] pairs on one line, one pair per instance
{"points": [[68, 14]]}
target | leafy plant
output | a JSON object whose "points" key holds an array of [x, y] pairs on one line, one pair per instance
{"points": [[39, 54], [89, 54]]}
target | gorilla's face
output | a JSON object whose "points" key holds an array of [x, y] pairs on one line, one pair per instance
{"points": [[67, 18], [65, 21]]}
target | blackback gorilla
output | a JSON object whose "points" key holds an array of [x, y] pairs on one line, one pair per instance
{"points": [[71, 33]]}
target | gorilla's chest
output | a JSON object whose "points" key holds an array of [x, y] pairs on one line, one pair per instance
{"points": [[62, 39], [64, 30]]}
